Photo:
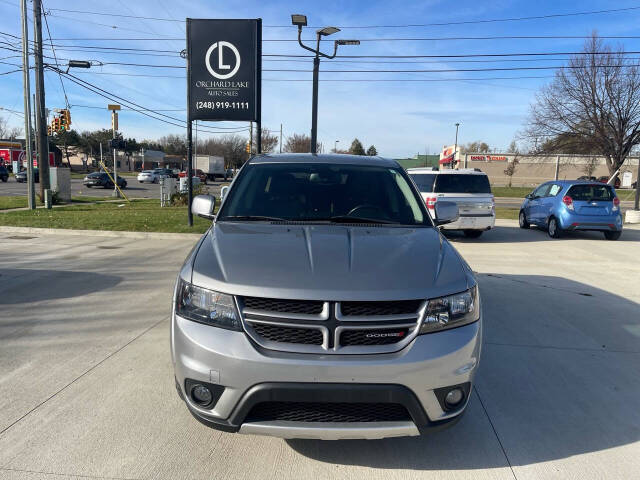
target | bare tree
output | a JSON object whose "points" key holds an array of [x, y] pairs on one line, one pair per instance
{"points": [[299, 143], [595, 97], [474, 147], [269, 142], [512, 164], [8, 132], [590, 166]]}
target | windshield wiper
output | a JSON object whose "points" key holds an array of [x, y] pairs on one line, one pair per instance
{"points": [[349, 219], [254, 218]]}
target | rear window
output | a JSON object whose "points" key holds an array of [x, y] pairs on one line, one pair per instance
{"points": [[586, 193], [424, 181], [461, 183]]}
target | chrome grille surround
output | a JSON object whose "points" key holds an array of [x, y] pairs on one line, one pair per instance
{"points": [[331, 323]]}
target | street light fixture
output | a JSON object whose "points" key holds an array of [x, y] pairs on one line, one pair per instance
{"points": [[301, 21], [335, 146]]}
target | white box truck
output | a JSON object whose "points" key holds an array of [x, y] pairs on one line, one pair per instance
{"points": [[211, 165]]}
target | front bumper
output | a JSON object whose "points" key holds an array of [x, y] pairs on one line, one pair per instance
{"points": [[250, 374]]}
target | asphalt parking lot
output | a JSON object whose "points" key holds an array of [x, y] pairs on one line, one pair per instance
{"points": [[86, 384], [134, 189]]}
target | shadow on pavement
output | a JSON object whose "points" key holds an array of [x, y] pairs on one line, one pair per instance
{"points": [[515, 234], [29, 285], [558, 379]]}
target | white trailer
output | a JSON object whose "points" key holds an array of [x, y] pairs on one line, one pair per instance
{"points": [[211, 165]]}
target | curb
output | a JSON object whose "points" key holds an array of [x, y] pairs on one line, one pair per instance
{"points": [[102, 233]]}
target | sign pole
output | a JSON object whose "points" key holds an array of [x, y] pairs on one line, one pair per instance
{"points": [[27, 107], [259, 84], [189, 136]]}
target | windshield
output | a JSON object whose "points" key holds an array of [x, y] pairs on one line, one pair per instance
{"points": [[424, 181], [323, 192], [586, 193], [461, 183]]}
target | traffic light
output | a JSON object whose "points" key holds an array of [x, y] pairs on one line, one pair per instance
{"points": [[62, 121], [49, 130], [66, 114], [56, 125], [248, 147]]}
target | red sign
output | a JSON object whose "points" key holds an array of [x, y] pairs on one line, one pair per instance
{"points": [[5, 156], [488, 158]]}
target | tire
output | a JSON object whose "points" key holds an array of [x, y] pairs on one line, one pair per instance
{"points": [[553, 229], [4, 179], [88, 186], [472, 233], [522, 220], [612, 235]]}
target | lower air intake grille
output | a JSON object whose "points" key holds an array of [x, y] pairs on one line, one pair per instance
{"points": [[307, 307], [369, 309], [327, 412], [282, 334]]}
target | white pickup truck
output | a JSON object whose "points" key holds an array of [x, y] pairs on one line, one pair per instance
{"points": [[469, 188]]}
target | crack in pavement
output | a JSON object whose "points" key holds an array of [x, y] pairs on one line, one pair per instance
{"points": [[504, 452], [65, 474], [552, 347]]}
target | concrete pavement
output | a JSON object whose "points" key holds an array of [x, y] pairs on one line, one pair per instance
{"points": [[86, 387]]}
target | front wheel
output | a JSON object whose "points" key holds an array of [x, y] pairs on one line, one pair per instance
{"points": [[553, 229], [472, 233], [612, 235], [4, 179], [522, 220]]}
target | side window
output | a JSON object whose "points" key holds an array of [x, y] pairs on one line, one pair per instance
{"points": [[542, 190], [554, 190]]}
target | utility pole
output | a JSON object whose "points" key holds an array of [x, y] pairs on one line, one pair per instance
{"points": [[280, 138], [455, 148], [42, 141], [114, 128], [250, 138], [31, 193]]}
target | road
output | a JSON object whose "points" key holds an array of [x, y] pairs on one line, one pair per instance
{"points": [[86, 385], [134, 189]]}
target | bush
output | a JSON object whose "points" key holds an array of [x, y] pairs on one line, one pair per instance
{"points": [[55, 198], [181, 199]]}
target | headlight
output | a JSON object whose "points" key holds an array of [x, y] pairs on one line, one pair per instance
{"points": [[451, 311], [206, 306]]}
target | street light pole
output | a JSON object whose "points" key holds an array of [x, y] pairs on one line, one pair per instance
{"points": [[301, 21], [455, 148], [335, 146]]}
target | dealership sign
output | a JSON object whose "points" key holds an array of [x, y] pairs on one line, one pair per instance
{"points": [[224, 69], [488, 158]]}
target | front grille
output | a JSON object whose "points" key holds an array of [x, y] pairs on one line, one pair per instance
{"points": [[372, 337], [327, 412], [284, 334], [307, 307], [369, 309]]}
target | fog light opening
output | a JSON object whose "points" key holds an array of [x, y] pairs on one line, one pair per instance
{"points": [[201, 394], [454, 397]]}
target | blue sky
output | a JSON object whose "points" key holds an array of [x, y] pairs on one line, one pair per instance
{"points": [[401, 118]]}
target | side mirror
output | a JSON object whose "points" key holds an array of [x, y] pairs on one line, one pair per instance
{"points": [[528, 196], [204, 206], [446, 212], [223, 192]]}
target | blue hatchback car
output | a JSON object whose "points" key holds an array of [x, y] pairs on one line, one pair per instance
{"points": [[566, 205]]}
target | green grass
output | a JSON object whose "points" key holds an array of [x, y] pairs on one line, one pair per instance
{"points": [[138, 216], [17, 201], [516, 192], [507, 213]]}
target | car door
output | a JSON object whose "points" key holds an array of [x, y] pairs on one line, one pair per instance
{"points": [[531, 210], [548, 201]]}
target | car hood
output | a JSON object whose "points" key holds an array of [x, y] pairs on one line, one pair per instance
{"points": [[329, 262]]}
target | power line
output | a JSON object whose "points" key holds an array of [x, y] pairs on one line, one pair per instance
{"points": [[46, 22], [382, 39], [139, 108], [467, 22]]}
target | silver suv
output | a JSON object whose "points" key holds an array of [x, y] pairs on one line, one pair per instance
{"points": [[324, 303]]}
